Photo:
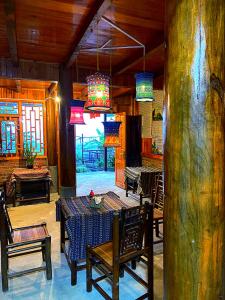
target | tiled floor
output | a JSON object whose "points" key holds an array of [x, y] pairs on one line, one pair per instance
{"points": [[100, 182], [36, 287]]}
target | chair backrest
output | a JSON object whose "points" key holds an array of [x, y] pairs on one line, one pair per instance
{"points": [[159, 193], [133, 225], [6, 226]]}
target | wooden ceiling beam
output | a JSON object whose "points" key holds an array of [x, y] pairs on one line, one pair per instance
{"points": [[52, 87], [27, 69], [18, 86], [98, 10], [127, 64], [9, 9]]}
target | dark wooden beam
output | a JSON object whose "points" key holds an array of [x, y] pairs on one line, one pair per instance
{"points": [[96, 12], [18, 86], [67, 161], [27, 69], [9, 9], [127, 64], [51, 88]]}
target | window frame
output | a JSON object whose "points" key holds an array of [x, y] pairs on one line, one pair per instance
{"points": [[20, 146]]}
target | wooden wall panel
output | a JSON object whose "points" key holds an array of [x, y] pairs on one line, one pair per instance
{"points": [[30, 94]]}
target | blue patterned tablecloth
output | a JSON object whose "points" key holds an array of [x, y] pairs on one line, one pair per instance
{"points": [[85, 225]]}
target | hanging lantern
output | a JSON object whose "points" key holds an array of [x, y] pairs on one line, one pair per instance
{"points": [[76, 112], [144, 87], [111, 134], [98, 92]]}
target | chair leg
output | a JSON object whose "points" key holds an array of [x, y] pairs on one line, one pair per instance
{"points": [[88, 271], [133, 264], [43, 251], [115, 285], [73, 267], [48, 258], [157, 228], [4, 269], [121, 271]]}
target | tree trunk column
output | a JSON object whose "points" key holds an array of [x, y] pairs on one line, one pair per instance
{"points": [[66, 135], [194, 151]]}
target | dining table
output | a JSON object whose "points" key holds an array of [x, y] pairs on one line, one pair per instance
{"points": [[82, 225]]}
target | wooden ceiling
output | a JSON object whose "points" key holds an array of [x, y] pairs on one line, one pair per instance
{"points": [[58, 31]]}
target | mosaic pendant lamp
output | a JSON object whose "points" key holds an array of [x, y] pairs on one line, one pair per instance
{"points": [[98, 92]]}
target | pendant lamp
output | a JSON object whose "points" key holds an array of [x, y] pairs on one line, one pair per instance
{"points": [[76, 112], [98, 92], [144, 87], [111, 134]]}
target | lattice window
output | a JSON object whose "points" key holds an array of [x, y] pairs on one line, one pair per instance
{"points": [[8, 108], [8, 137], [33, 127]]}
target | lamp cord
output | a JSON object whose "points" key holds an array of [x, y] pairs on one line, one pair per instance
{"points": [[144, 59], [97, 48], [77, 70]]}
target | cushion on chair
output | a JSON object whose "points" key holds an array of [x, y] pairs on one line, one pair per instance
{"points": [[29, 234], [157, 214], [104, 252]]}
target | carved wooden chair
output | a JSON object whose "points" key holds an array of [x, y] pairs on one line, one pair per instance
{"points": [[158, 203], [132, 238], [21, 241]]}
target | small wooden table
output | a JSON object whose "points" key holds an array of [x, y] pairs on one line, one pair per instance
{"points": [[28, 185]]}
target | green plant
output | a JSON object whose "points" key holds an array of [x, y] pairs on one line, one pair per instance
{"points": [[111, 161], [81, 169], [29, 154], [101, 136]]}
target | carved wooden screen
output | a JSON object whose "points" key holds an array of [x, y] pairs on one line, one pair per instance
{"points": [[33, 127], [22, 124], [9, 128], [8, 137]]}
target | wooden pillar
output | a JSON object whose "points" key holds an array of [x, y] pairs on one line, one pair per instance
{"points": [[194, 151], [51, 141], [66, 135]]}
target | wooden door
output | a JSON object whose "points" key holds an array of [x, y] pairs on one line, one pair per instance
{"points": [[120, 153]]}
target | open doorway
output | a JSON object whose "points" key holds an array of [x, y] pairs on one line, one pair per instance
{"points": [[95, 164]]}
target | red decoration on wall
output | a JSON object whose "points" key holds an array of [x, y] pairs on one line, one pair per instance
{"points": [[94, 115]]}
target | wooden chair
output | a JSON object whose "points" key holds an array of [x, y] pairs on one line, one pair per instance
{"points": [[158, 203], [22, 241], [132, 238]]}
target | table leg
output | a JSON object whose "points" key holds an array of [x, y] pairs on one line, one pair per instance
{"points": [[126, 184], [62, 231], [141, 201], [73, 268]]}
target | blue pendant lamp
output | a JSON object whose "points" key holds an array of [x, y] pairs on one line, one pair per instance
{"points": [[144, 87]]}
